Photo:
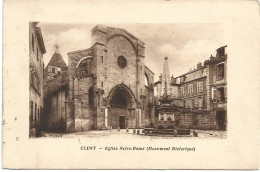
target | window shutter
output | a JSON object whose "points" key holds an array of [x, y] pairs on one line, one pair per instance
{"points": [[214, 94]]}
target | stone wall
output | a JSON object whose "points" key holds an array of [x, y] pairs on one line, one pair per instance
{"points": [[80, 112], [203, 120], [55, 111]]}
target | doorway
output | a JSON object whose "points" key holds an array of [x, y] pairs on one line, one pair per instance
{"points": [[122, 122], [221, 120]]}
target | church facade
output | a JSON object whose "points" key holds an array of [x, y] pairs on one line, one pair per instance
{"points": [[106, 86]]}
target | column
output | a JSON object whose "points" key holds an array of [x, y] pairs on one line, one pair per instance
{"points": [[140, 117]]}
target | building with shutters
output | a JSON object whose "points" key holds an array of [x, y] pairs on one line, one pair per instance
{"points": [[36, 66], [218, 87], [196, 99]]}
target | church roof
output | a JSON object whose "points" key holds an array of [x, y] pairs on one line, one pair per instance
{"points": [[57, 60]]}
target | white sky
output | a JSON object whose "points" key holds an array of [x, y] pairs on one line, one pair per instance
{"points": [[184, 44]]}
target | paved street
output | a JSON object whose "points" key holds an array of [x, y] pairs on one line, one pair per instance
{"points": [[123, 134]]}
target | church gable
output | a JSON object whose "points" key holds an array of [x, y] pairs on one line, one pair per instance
{"points": [[122, 62]]}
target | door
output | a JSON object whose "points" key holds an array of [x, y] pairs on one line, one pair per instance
{"points": [[221, 120], [122, 122]]}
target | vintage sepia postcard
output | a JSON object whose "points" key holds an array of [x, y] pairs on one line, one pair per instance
{"points": [[95, 85]]}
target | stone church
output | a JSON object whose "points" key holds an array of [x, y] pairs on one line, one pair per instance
{"points": [[109, 85]]}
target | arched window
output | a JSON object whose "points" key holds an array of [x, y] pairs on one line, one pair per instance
{"points": [[91, 96], [84, 67]]}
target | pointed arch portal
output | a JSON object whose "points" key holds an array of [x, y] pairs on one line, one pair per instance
{"points": [[122, 105]]}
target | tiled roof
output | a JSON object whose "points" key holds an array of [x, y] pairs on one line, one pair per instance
{"points": [[57, 60]]}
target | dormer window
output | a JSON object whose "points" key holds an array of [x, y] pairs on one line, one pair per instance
{"points": [[182, 79]]}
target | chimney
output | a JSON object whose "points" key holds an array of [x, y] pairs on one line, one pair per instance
{"points": [[199, 65], [173, 80], [160, 78], [221, 51], [211, 57]]}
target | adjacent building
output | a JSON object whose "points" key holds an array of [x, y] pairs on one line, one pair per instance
{"points": [[55, 93], [36, 66], [196, 99], [218, 87]]}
